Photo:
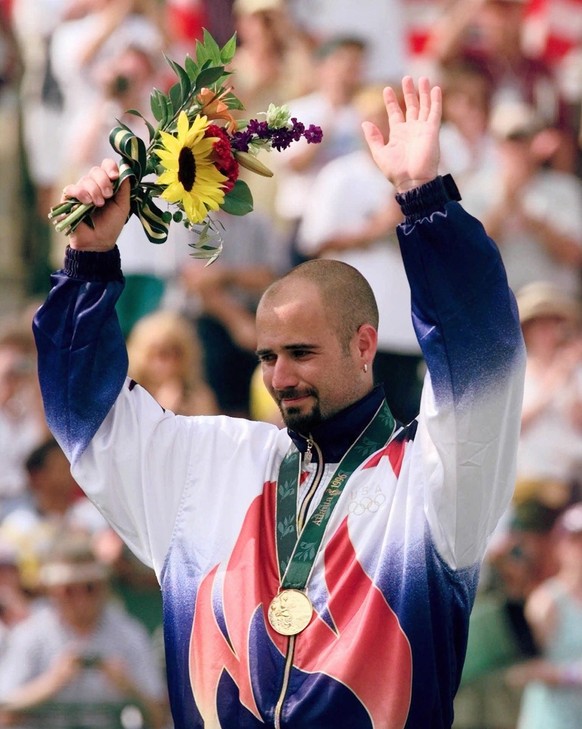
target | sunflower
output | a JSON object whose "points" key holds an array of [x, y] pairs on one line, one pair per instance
{"points": [[191, 177]]}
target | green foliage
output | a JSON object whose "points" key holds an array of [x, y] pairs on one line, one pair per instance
{"points": [[207, 70], [239, 201]]}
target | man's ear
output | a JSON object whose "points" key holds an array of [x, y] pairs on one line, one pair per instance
{"points": [[367, 342]]}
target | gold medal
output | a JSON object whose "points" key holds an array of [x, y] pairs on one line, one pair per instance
{"points": [[290, 612]]}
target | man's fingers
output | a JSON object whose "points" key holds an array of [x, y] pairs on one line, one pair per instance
{"points": [[393, 108], [424, 98], [436, 105], [95, 187], [111, 168], [411, 101], [373, 136]]}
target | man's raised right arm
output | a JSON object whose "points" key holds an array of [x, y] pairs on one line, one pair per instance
{"points": [[81, 350]]}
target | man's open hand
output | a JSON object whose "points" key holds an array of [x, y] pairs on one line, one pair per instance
{"points": [[410, 157]]}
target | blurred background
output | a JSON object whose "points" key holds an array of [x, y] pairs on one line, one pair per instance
{"points": [[511, 72]]}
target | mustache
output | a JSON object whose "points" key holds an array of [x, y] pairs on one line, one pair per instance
{"points": [[293, 392]]}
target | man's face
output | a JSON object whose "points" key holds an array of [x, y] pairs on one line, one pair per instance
{"points": [[80, 604], [307, 370]]}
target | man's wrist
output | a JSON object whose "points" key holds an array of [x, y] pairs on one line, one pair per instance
{"points": [[406, 185], [93, 265], [421, 201]]}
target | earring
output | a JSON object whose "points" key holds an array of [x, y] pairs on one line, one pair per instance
{"points": [[365, 367]]}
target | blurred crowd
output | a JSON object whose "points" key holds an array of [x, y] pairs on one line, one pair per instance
{"points": [[80, 617]]}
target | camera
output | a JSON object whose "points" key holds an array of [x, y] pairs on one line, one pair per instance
{"points": [[120, 85], [91, 660]]}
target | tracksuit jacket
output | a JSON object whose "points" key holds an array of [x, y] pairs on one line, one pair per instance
{"points": [[194, 497]]}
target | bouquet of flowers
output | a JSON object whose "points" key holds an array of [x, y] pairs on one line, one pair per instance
{"points": [[194, 152]]}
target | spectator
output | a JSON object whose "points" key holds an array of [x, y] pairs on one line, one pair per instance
{"points": [[490, 33], [15, 602], [222, 300], [518, 559], [165, 358], [80, 652], [93, 32], [533, 212], [273, 64], [273, 61], [131, 581], [22, 425], [550, 446], [41, 97], [123, 81], [553, 29], [55, 503], [553, 684], [467, 145], [338, 75], [381, 25]]}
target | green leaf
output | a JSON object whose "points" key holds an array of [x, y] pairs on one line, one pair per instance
{"points": [[209, 76], [169, 114], [239, 201], [149, 125], [158, 104], [182, 75], [208, 49], [176, 97], [192, 68], [232, 101], [228, 50]]}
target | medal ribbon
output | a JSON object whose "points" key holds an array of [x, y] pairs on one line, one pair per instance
{"points": [[297, 548]]}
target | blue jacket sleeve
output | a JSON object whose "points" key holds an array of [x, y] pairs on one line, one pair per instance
{"points": [[463, 311], [82, 358]]}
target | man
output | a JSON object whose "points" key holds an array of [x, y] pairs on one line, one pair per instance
{"points": [[79, 658], [299, 592]]}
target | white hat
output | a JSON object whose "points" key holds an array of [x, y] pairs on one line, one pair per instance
{"points": [[247, 7], [514, 119], [571, 520]]}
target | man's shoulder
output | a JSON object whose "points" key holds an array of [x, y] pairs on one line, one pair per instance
{"points": [[117, 618], [40, 624]]}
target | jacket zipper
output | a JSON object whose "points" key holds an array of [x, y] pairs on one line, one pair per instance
{"points": [[301, 516]]}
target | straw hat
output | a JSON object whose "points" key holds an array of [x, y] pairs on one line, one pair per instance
{"points": [[71, 560], [543, 299]]}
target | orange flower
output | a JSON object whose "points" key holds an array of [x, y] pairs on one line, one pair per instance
{"points": [[213, 107]]}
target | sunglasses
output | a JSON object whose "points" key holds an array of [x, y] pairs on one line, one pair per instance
{"points": [[81, 588]]}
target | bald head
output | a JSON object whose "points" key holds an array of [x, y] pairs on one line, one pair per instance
{"points": [[347, 298]]}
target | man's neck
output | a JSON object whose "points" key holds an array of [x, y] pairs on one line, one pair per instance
{"points": [[336, 434]]}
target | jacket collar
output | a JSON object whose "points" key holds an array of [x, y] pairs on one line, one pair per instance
{"points": [[335, 435]]}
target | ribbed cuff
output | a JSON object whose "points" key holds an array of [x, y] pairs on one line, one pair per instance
{"points": [[428, 198], [93, 265]]}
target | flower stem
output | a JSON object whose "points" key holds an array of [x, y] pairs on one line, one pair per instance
{"points": [[70, 222]]}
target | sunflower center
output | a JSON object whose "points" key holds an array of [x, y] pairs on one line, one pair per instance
{"points": [[186, 168]]}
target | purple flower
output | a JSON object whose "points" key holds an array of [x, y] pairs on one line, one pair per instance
{"points": [[279, 137], [313, 134], [240, 140]]}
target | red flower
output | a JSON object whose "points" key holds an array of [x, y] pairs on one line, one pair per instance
{"points": [[223, 156]]}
